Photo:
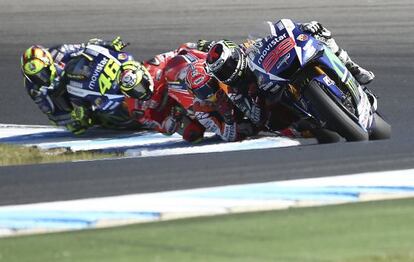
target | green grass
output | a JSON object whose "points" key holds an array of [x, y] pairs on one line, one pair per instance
{"points": [[20, 155], [364, 232]]}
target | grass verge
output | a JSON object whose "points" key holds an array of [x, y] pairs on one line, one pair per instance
{"points": [[20, 155], [362, 232]]}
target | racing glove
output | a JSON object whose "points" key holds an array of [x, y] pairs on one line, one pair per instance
{"points": [[117, 44], [316, 28], [204, 45], [173, 121], [79, 114], [255, 114], [76, 128], [80, 121]]}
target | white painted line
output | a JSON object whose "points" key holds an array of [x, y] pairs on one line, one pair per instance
{"points": [[138, 144], [9, 130], [136, 208]]}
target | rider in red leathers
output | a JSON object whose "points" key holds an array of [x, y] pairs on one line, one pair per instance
{"points": [[179, 104], [161, 112]]}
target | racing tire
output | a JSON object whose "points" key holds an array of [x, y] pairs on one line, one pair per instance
{"points": [[381, 130], [336, 119], [325, 136]]}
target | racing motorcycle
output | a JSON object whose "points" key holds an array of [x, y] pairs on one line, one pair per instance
{"points": [[175, 73], [316, 85], [169, 109], [91, 83]]}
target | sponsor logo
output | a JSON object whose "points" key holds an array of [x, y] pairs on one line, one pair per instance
{"points": [[98, 102], [283, 60], [122, 56], [97, 72], [328, 81], [271, 87], [198, 81], [275, 41], [302, 37], [158, 75], [274, 54], [190, 58], [229, 132], [266, 86]]}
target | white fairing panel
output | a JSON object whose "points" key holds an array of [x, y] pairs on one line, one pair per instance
{"points": [[364, 110]]}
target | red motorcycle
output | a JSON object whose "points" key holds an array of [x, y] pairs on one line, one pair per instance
{"points": [[169, 109]]}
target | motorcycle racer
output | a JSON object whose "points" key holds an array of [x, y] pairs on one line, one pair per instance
{"points": [[162, 112], [48, 71], [229, 63]]}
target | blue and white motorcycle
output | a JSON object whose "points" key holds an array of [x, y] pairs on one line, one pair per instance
{"points": [[91, 83], [316, 84]]}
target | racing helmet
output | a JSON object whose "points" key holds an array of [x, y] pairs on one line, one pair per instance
{"points": [[37, 66], [135, 81], [226, 62], [201, 84]]}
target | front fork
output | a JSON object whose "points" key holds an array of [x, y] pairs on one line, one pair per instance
{"points": [[360, 93]]}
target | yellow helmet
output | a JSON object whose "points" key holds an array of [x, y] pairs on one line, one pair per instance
{"points": [[37, 65], [135, 80]]}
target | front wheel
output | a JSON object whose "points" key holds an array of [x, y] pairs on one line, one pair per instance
{"points": [[381, 129], [336, 119]]}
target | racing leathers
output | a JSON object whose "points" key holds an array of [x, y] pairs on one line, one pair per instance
{"points": [[162, 112], [222, 118], [259, 105], [53, 99]]}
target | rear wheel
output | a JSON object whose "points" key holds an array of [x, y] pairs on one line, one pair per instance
{"points": [[336, 119]]}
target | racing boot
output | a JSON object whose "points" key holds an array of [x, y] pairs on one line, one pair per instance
{"points": [[362, 75]]}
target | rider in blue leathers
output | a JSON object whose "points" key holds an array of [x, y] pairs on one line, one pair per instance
{"points": [[46, 75], [228, 62]]}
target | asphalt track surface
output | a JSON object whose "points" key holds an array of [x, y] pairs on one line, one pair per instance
{"points": [[377, 34]]}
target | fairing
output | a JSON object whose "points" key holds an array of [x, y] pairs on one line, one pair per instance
{"points": [[286, 50], [93, 78]]}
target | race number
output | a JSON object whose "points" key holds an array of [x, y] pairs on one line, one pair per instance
{"points": [[108, 75]]}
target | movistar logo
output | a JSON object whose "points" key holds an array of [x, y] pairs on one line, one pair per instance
{"points": [[97, 72], [270, 46]]}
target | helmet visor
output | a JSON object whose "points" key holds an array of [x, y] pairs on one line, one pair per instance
{"points": [[141, 91], [41, 78], [38, 72], [228, 69]]}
